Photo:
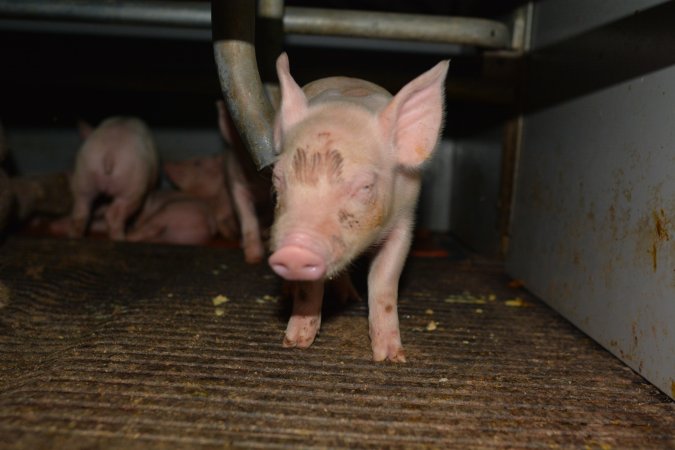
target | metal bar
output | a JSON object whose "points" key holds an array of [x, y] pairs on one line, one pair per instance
{"points": [[233, 40], [413, 27], [234, 51], [178, 14], [314, 21]]}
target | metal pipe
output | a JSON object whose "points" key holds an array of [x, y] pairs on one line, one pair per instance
{"points": [[234, 51], [130, 12], [233, 27], [413, 27], [296, 20]]}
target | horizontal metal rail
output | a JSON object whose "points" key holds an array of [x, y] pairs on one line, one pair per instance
{"points": [[313, 21], [406, 27], [155, 13], [233, 39]]}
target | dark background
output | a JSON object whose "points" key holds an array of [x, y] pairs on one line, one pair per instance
{"points": [[52, 79]]}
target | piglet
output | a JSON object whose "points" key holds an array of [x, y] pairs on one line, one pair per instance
{"points": [[118, 159], [230, 185], [347, 179], [207, 178], [173, 217], [203, 178], [249, 190]]}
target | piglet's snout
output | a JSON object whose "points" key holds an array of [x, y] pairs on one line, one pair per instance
{"points": [[293, 262]]}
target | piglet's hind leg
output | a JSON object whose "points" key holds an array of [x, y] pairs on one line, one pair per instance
{"points": [[116, 217], [84, 193]]}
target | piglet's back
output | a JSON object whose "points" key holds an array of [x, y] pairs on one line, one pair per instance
{"points": [[345, 89], [124, 133]]}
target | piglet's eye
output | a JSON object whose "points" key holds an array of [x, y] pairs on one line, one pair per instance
{"points": [[364, 190]]}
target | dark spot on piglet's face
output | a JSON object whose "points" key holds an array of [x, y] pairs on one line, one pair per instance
{"points": [[347, 219], [308, 167]]}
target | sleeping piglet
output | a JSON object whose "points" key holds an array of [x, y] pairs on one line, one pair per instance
{"points": [[173, 217], [347, 180]]}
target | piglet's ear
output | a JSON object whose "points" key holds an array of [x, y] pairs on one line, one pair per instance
{"points": [[413, 120], [293, 101]]}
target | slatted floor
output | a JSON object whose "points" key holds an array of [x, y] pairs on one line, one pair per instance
{"points": [[111, 346]]}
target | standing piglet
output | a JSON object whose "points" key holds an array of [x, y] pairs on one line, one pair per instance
{"points": [[118, 159], [229, 183], [347, 179], [249, 190]]}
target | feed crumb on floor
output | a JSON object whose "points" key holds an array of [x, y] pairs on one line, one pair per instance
{"points": [[516, 302], [219, 300], [267, 299], [466, 298]]}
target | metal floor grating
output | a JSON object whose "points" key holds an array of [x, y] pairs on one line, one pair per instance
{"points": [[106, 345]]}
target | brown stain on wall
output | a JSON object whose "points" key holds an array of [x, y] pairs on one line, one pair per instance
{"points": [[661, 222], [661, 234]]}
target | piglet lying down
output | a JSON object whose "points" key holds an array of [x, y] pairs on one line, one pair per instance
{"points": [[347, 180]]}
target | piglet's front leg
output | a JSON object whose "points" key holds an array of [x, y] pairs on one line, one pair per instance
{"points": [[385, 271], [306, 317]]}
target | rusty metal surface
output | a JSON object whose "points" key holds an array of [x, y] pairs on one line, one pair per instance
{"points": [[106, 345], [593, 229]]}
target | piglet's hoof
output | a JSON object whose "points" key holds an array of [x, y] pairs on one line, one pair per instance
{"points": [[254, 254], [302, 342], [301, 332], [396, 355], [388, 349]]}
